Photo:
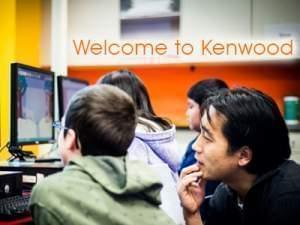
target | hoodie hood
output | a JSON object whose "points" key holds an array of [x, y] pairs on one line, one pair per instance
{"points": [[164, 145], [119, 176]]}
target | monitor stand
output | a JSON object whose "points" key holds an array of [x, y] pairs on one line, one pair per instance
{"points": [[18, 154]]}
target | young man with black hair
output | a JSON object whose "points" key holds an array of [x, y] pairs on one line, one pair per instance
{"points": [[98, 185], [244, 143], [196, 95]]}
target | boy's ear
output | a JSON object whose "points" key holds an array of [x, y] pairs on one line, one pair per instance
{"points": [[245, 156], [70, 140]]}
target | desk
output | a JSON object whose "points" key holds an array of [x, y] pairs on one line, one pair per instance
{"points": [[32, 171], [31, 167], [26, 220]]}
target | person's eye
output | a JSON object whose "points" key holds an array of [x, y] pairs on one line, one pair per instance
{"points": [[207, 138], [204, 135]]}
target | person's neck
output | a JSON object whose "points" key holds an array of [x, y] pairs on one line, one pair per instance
{"points": [[242, 183]]}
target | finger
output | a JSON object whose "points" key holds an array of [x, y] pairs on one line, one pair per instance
{"points": [[192, 177], [195, 184], [188, 179], [184, 183], [197, 175], [199, 182], [189, 169]]}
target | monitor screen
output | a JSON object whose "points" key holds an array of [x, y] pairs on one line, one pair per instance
{"points": [[32, 105], [67, 87]]}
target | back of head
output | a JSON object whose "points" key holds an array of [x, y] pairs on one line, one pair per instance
{"points": [[133, 85], [104, 119], [254, 120], [200, 91]]}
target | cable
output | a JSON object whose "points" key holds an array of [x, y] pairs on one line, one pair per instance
{"points": [[6, 145]]}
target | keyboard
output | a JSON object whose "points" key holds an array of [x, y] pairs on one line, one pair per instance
{"points": [[47, 160], [14, 207]]}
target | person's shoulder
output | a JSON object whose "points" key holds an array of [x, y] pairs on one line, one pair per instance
{"points": [[283, 194], [46, 187], [288, 177], [223, 190], [49, 182], [291, 167], [222, 197], [138, 167], [283, 185]]}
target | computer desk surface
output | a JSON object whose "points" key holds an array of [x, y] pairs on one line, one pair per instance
{"points": [[32, 171], [30, 166]]}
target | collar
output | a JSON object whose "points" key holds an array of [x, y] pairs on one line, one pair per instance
{"points": [[260, 179]]}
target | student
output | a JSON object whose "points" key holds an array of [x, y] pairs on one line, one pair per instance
{"points": [[244, 143], [154, 141], [197, 94], [98, 185]]}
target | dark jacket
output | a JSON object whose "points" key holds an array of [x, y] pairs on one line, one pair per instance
{"points": [[274, 199]]}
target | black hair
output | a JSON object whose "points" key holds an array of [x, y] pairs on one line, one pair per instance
{"points": [[133, 85], [201, 90], [252, 119]]}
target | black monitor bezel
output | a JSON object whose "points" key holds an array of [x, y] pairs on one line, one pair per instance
{"points": [[60, 91], [13, 103]]}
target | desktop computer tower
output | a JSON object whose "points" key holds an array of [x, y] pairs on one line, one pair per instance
{"points": [[10, 183]]}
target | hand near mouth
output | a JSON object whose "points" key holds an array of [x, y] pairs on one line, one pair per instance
{"points": [[191, 188]]}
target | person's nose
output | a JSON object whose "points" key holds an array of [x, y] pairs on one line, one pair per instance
{"points": [[197, 146], [187, 112]]}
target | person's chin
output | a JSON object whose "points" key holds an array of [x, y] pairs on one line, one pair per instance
{"points": [[196, 128], [192, 127]]}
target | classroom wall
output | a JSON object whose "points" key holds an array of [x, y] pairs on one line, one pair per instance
{"points": [[7, 49], [168, 84], [28, 31], [19, 43], [21, 40]]}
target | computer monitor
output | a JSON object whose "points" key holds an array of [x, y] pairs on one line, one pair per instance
{"points": [[32, 107], [66, 88]]}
